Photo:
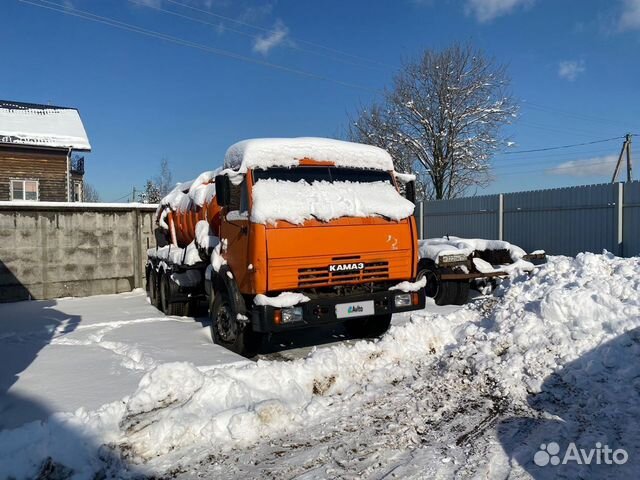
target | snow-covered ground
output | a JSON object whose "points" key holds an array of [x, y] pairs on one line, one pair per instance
{"points": [[474, 392]]}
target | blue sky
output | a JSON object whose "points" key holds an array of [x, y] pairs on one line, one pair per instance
{"points": [[573, 66]]}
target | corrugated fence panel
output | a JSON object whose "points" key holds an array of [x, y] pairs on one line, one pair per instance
{"points": [[474, 217], [631, 230], [563, 221]]}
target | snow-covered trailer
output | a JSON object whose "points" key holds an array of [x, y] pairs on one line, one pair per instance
{"points": [[449, 265], [290, 233]]}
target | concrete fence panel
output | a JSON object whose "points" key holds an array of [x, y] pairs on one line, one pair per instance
{"points": [[55, 250]]}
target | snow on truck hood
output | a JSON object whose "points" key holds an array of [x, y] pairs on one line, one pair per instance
{"points": [[296, 202], [287, 152]]}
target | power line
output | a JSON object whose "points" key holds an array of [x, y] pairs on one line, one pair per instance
{"points": [[268, 30], [566, 167], [246, 34], [562, 146], [579, 116], [179, 41]]}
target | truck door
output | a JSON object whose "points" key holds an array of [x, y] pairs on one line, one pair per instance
{"points": [[235, 229]]}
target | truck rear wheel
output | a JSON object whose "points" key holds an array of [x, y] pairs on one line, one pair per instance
{"points": [[228, 331], [152, 287], [177, 309], [368, 327]]}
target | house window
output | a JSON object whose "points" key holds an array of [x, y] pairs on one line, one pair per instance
{"points": [[24, 190], [77, 191]]}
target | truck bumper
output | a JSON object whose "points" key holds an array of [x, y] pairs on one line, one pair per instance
{"points": [[323, 311]]}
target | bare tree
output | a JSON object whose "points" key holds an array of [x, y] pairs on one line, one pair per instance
{"points": [[164, 180], [442, 118], [89, 193]]}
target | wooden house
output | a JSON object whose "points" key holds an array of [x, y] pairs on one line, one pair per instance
{"points": [[37, 153]]}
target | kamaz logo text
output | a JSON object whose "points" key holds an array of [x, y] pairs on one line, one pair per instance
{"points": [[346, 267]]}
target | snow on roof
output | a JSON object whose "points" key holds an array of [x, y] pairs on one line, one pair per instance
{"points": [[42, 126], [287, 152]]}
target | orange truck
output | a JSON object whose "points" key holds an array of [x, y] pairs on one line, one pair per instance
{"points": [[290, 233]]}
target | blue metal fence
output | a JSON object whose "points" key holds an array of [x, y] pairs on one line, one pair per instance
{"points": [[562, 221]]}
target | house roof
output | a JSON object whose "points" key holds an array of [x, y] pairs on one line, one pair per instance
{"points": [[41, 126]]}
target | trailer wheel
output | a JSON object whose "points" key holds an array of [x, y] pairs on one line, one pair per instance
{"points": [[444, 292], [177, 309], [368, 327], [463, 293], [152, 287], [227, 331]]}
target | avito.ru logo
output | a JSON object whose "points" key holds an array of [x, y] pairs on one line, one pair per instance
{"points": [[355, 309], [550, 454]]}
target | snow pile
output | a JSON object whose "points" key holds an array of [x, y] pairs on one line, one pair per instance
{"points": [[199, 191], [433, 248], [410, 286], [46, 126], [176, 255], [569, 306], [296, 202], [505, 351], [287, 152], [205, 238], [283, 300]]}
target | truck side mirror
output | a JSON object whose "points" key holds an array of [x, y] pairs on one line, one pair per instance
{"points": [[410, 191], [223, 190]]}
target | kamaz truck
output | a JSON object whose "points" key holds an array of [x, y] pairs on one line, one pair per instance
{"points": [[289, 233]]}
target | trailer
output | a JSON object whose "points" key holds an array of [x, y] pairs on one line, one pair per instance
{"points": [[451, 265], [288, 234]]}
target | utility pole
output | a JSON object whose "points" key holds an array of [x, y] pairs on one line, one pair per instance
{"points": [[629, 164], [133, 196], [626, 147]]}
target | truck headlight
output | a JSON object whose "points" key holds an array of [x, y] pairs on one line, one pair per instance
{"points": [[291, 314], [403, 300], [455, 258]]}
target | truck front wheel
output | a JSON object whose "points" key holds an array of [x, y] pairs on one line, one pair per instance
{"points": [[368, 327], [228, 331]]}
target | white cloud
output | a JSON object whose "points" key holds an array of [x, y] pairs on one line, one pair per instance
{"points": [[587, 167], [630, 16], [570, 69], [487, 10], [277, 36]]}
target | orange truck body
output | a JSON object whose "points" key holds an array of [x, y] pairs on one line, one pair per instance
{"points": [[287, 257]]}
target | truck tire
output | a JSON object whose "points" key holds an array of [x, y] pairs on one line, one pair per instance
{"points": [[152, 287], [463, 293], [177, 309], [444, 292], [368, 327], [227, 331]]}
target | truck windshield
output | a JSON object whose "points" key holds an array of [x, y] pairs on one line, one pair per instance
{"points": [[312, 174]]}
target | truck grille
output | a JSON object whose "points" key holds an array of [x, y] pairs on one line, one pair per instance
{"points": [[320, 276]]}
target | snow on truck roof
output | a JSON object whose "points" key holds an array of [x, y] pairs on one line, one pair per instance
{"points": [[287, 152], [42, 126]]}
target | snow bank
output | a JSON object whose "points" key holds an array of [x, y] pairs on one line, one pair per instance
{"points": [[296, 202], [283, 300], [287, 152], [538, 324], [433, 248]]}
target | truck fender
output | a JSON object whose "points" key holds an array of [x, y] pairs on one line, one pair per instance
{"points": [[222, 280]]}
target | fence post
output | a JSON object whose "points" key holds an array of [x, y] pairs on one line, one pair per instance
{"points": [[501, 217], [137, 249], [620, 220]]}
